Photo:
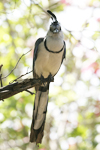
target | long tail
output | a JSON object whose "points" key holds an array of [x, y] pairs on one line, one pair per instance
{"points": [[39, 115]]}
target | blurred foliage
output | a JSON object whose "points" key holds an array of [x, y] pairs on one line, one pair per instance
{"points": [[73, 117]]}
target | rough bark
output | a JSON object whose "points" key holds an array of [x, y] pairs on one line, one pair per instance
{"points": [[17, 87]]}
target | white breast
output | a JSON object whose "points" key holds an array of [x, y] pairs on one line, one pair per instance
{"points": [[48, 62]]}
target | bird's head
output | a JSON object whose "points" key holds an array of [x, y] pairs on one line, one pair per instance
{"points": [[55, 26]]}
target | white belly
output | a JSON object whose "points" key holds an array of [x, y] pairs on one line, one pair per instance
{"points": [[47, 62]]}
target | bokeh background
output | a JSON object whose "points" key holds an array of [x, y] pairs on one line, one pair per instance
{"points": [[73, 117]]}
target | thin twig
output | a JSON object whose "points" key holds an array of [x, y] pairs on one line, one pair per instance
{"points": [[20, 76], [1, 75], [16, 64], [1, 80], [36, 3], [29, 92]]}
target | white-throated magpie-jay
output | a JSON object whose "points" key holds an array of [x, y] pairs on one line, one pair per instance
{"points": [[49, 53]]}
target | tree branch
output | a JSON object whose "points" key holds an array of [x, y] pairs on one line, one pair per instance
{"points": [[17, 87]]}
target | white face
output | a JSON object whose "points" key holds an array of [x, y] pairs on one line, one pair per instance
{"points": [[55, 27]]}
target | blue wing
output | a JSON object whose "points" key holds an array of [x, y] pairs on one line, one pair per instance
{"points": [[64, 55], [36, 50]]}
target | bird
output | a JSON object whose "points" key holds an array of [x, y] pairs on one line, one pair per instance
{"points": [[49, 52]]}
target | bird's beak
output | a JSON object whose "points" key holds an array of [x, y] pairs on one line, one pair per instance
{"points": [[55, 30]]}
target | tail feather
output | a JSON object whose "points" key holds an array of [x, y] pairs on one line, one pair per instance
{"points": [[39, 116], [37, 135]]}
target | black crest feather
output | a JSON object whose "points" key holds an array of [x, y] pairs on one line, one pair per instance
{"points": [[53, 15]]}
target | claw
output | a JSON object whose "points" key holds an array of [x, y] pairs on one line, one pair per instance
{"points": [[50, 78], [43, 80]]}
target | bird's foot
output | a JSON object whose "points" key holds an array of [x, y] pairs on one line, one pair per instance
{"points": [[50, 78], [43, 80]]}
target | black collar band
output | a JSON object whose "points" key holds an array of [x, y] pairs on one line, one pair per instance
{"points": [[51, 50]]}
